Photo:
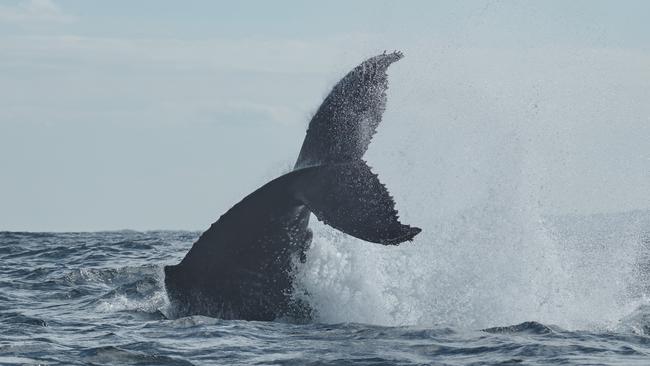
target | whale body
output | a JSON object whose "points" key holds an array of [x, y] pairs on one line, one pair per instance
{"points": [[241, 267]]}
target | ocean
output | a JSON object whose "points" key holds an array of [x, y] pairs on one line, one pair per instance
{"points": [[570, 290]]}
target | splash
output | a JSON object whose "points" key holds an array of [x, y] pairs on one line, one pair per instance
{"points": [[486, 267], [497, 262], [144, 293]]}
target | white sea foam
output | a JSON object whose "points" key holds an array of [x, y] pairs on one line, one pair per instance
{"points": [[482, 269], [147, 295], [497, 261]]}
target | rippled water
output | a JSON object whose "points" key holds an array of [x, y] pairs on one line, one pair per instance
{"points": [[97, 298]]}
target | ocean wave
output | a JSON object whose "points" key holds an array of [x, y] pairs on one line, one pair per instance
{"points": [[486, 286]]}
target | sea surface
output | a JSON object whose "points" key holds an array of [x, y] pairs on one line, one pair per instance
{"points": [[496, 290]]}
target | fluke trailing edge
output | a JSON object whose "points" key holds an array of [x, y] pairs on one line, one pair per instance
{"points": [[240, 268]]}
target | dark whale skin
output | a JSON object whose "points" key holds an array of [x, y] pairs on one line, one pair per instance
{"points": [[241, 267]]}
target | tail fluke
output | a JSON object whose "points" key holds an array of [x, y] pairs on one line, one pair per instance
{"points": [[344, 124], [334, 183], [350, 198], [240, 268]]}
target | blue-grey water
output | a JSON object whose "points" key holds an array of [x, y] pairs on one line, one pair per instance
{"points": [[568, 290]]}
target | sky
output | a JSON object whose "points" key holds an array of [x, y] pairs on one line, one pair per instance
{"points": [[163, 114]]}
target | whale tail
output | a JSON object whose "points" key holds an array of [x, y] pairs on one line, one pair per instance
{"points": [[345, 194], [240, 267]]}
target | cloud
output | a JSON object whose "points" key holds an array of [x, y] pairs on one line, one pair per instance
{"points": [[241, 54], [34, 11]]}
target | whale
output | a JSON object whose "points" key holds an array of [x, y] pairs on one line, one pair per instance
{"points": [[242, 266]]}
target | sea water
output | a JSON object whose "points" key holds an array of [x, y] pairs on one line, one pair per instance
{"points": [[484, 287]]}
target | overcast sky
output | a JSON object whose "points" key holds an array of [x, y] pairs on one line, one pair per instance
{"points": [[163, 114]]}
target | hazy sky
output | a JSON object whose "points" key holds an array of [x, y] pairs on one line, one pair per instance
{"points": [[163, 114]]}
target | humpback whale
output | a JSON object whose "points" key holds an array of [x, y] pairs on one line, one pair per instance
{"points": [[241, 267]]}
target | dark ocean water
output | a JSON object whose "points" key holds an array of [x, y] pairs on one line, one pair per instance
{"points": [[97, 299]]}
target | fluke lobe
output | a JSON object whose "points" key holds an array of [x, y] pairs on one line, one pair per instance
{"points": [[241, 267]]}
